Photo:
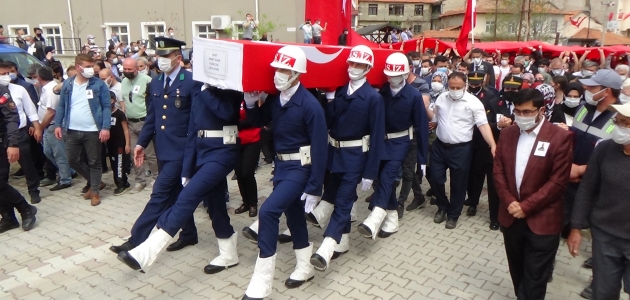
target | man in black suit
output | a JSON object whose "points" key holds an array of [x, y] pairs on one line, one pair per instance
{"points": [[478, 64]]}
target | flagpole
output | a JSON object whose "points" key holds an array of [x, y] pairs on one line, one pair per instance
{"points": [[472, 22]]}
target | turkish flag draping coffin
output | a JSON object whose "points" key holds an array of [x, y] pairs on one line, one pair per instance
{"points": [[245, 65]]}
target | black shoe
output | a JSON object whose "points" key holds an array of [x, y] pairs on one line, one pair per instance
{"points": [[283, 238], [429, 193], [46, 182], [417, 203], [292, 284], [440, 216], [18, 174], [588, 264], [75, 175], [212, 269], [250, 298], [126, 246], [400, 210], [180, 244], [60, 186], [467, 202], [8, 222], [337, 254], [249, 234], [28, 218], [384, 234], [253, 211], [587, 293], [369, 198], [310, 217], [494, 225], [364, 231], [35, 198], [85, 189], [451, 223], [472, 211], [241, 209], [432, 201], [128, 260], [318, 262], [121, 190]]}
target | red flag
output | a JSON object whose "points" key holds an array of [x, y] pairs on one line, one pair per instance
{"points": [[470, 19]]}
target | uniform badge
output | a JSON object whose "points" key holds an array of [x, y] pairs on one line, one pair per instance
{"points": [[4, 98], [178, 103]]}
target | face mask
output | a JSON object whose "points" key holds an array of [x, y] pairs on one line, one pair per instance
{"points": [[108, 82], [571, 102], [135, 49], [432, 60], [129, 75], [587, 73], [356, 74], [542, 70], [425, 71], [525, 123], [623, 78], [476, 60], [621, 135], [88, 73], [474, 89], [415, 63], [13, 76], [504, 62], [437, 86], [624, 98], [5, 80], [557, 72], [172, 33], [396, 81], [23, 36], [115, 61], [283, 81], [456, 94], [588, 96], [442, 69], [509, 96], [145, 71], [115, 38], [165, 64], [526, 63], [91, 40]]}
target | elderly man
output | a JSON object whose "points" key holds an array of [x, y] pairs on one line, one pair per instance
{"points": [[622, 70]]}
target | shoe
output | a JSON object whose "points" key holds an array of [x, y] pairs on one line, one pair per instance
{"points": [[60, 186], [126, 246], [320, 216], [467, 202], [251, 232], [181, 244], [494, 225], [85, 189], [440, 216], [253, 212], [371, 225], [262, 281], [472, 211], [400, 210], [417, 203], [28, 217], [432, 201], [285, 237], [303, 269], [121, 190], [342, 247], [95, 200], [88, 194], [321, 258], [18, 174], [145, 254], [550, 278], [430, 193], [369, 198], [35, 198], [233, 177], [47, 182], [588, 264], [137, 188], [241, 209], [587, 293], [390, 224], [74, 175], [451, 223], [8, 221], [228, 256]]}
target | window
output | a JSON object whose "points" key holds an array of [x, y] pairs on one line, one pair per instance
{"points": [[204, 30], [151, 30], [418, 10], [396, 9], [122, 29], [372, 9], [538, 27], [417, 28], [553, 26], [511, 27], [52, 33], [436, 9], [490, 26], [237, 30]]}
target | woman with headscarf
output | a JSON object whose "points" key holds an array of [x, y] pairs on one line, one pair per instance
{"points": [[528, 79], [438, 84]]}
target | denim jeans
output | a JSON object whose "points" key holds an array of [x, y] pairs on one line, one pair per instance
{"points": [[55, 151], [76, 141]]}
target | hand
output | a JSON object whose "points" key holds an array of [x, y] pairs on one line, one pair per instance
{"points": [[103, 135], [330, 95], [138, 156], [601, 50], [432, 125], [576, 173], [515, 210], [251, 98], [127, 149], [58, 133], [587, 52], [563, 126], [418, 41], [493, 150], [38, 135], [366, 184], [31, 130], [423, 168], [390, 46], [498, 51], [185, 181], [13, 154], [310, 202], [573, 242]]}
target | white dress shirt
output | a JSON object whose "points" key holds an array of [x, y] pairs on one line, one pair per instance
{"points": [[456, 118], [523, 151], [285, 96], [47, 100], [26, 108]]}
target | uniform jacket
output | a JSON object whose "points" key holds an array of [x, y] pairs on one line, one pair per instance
{"points": [[300, 122], [168, 115], [584, 142], [350, 117], [9, 120], [486, 96], [544, 181], [498, 105], [99, 104]]}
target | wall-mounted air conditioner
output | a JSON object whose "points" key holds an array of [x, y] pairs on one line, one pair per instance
{"points": [[221, 22]]}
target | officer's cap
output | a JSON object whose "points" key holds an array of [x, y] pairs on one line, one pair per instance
{"points": [[167, 45], [512, 81], [476, 77]]}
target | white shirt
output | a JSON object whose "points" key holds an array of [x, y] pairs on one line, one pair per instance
{"points": [[355, 85], [172, 76], [285, 96], [117, 89], [503, 72], [81, 118], [47, 100], [523, 151], [26, 108], [456, 118]]}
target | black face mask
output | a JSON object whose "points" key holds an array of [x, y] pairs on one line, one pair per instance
{"points": [[130, 75], [474, 89], [509, 96]]}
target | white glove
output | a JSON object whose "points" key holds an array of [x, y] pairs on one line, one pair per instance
{"points": [[185, 181], [251, 98], [424, 170], [310, 202], [330, 95], [366, 184]]}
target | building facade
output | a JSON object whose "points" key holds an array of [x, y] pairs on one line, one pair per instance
{"points": [[415, 14]]}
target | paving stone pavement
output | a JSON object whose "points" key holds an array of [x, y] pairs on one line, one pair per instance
{"points": [[66, 257]]}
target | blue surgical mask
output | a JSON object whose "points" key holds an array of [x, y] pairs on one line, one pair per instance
{"points": [[442, 69], [13, 76]]}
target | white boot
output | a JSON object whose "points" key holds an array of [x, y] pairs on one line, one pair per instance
{"points": [[228, 257], [285, 237], [303, 269], [145, 254], [322, 214], [390, 224], [251, 232], [371, 225], [353, 212], [321, 259], [262, 281], [343, 246]]}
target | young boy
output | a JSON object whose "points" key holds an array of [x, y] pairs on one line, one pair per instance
{"points": [[118, 148]]}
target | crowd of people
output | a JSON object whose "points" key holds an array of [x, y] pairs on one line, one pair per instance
{"points": [[549, 137]]}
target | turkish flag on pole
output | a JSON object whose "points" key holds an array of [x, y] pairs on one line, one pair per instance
{"points": [[470, 19]]}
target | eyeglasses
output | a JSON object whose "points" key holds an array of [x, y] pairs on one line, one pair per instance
{"points": [[525, 113], [621, 123]]}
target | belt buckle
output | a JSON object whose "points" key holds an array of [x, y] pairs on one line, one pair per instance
{"points": [[200, 133], [279, 156], [337, 144]]}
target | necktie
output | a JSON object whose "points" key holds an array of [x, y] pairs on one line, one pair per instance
{"points": [[168, 83]]}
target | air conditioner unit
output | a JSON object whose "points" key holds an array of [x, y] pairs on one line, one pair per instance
{"points": [[221, 22]]}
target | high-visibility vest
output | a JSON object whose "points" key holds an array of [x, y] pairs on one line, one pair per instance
{"points": [[602, 133]]}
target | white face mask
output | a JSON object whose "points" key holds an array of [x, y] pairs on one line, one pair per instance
{"points": [[135, 49], [588, 96], [396, 81], [145, 71], [504, 62], [88, 72], [283, 81], [624, 98], [415, 63], [623, 77], [525, 123], [476, 60], [437, 86], [621, 135], [165, 64], [587, 73], [542, 70], [5, 80], [115, 61], [557, 72], [91, 41], [571, 102], [425, 71], [456, 94], [356, 74], [172, 33]]}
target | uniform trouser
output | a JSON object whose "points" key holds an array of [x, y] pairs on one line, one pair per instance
{"points": [[410, 179], [166, 189], [285, 198], [77, 141], [245, 170], [530, 259], [120, 162], [384, 194], [569, 198], [208, 177], [150, 161], [10, 196], [26, 162], [55, 151], [37, 154], [479, 171], [611, 265], [341, 190], [456, 159]]}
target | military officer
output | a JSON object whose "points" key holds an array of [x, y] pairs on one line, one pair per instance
{"points": [[168, 112], [10, 153], [299, 135]]}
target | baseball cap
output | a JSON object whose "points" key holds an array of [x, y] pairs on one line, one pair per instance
{"points": [[604, 77], [623, 109]]}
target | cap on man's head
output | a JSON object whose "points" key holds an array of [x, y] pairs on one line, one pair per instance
{"points": [[476, 77], [622, 109], [604, 77], [512, 81], [90, 36], [167, 45], [48, 49]]}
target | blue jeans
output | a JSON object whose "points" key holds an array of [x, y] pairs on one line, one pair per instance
{"points": [[307, 41], [55, 151]]}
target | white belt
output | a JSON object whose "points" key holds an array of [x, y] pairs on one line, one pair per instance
{"points": [[210, 133], [344, 144], [289, 156], [408, 132], [228, 134]]}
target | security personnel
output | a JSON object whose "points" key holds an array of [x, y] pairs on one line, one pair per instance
{"points": [[168, 113], [482, 160], [211, 153], [9, 140], [299, 135], [404, 112], [356, 124]]}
